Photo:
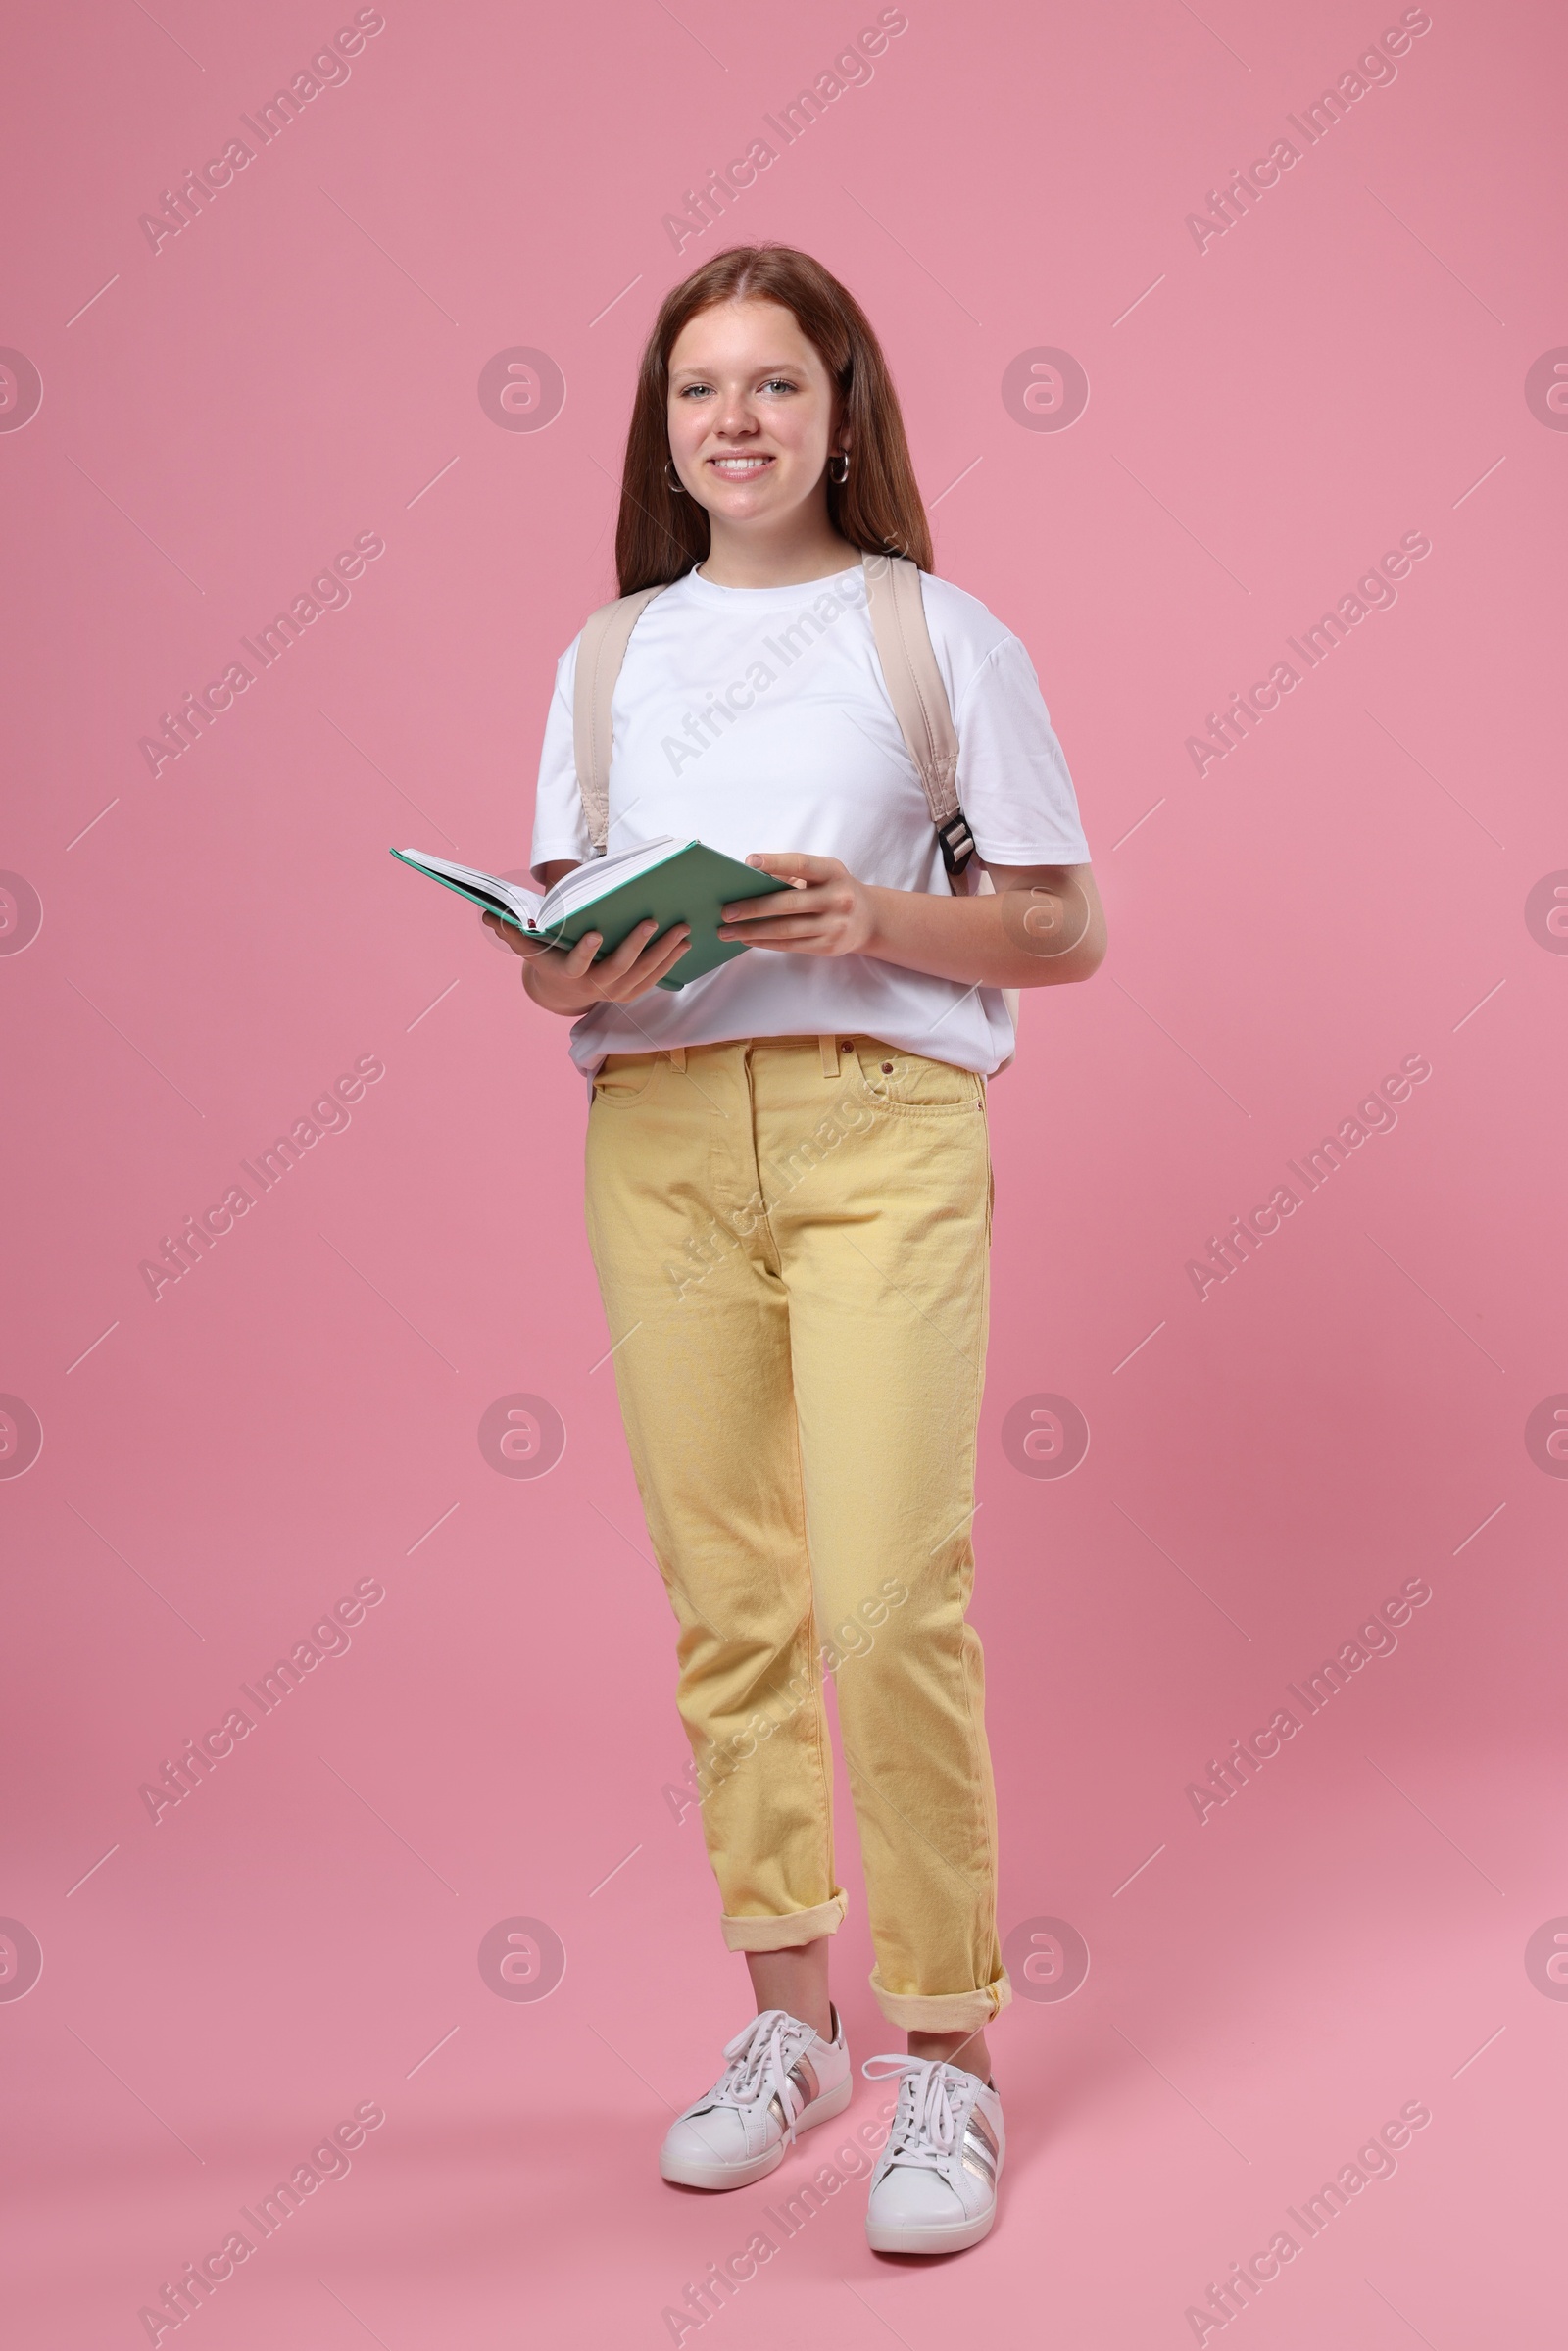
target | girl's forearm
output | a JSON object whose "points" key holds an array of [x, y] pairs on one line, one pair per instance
{"points": [[1011, 938], [551, 1002]]}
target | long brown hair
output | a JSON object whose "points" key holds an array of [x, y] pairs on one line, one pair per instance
{"points": [[663, 532]]}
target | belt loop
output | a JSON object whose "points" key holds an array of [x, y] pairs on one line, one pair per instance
{"points": [[830, 1055], [678, 1057]]}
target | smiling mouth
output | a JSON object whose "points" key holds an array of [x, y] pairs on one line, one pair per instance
{"points": [[740, 469]]}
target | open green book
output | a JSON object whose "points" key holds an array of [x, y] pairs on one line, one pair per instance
{"points": [[673, 881]]}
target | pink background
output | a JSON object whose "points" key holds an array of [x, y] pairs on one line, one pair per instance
{"points": [[218, 944]]}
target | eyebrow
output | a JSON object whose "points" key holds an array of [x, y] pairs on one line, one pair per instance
{"points": [[771, 368]]}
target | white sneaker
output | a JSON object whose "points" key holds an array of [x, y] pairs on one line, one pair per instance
{"points": [[934, 2188], [782, 2078]]}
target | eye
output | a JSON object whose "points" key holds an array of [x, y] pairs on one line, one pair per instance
{"points": [[786, 381]]}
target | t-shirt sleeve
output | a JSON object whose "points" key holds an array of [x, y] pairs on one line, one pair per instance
{"points": [[560, 828], [1016, 791]]}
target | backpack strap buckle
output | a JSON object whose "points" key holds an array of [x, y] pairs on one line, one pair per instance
{"points": [[958, 842]]}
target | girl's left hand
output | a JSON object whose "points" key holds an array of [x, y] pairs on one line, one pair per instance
{"points": [[828, 912]]}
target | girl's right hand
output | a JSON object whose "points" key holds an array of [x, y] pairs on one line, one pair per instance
{"points": [[566, 980]]}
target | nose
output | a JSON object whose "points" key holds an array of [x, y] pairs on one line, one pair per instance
{"points": [[734, 420]]}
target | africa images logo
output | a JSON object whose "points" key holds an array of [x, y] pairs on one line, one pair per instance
{"points": [[521, 1436], [20, 390], [20, 913], [522, 1959], [329, 70], [1044, 1436], [20, 1437], [522, 389], [20, 1960]]}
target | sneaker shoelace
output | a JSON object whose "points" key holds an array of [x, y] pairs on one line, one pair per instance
{"points": [[932, 2097], [758, 2068]]}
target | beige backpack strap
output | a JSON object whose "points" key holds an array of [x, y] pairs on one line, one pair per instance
{"points": [[919, 697], [605, 638]]}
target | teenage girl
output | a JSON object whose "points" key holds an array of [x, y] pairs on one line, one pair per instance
{"points": [[789, 1195]]}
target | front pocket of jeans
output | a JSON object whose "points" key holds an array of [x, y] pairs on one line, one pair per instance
{"points": [[913, 1086], [626, 1079]]}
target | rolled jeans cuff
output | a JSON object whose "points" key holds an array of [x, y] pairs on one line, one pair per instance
{"points": [[944, 2012], [784, 1933]]}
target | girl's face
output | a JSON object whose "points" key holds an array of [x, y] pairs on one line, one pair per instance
{"points": [[751, 412]]}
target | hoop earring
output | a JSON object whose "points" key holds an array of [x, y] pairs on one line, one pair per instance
{"points": [[839, 478], [672, 480]]}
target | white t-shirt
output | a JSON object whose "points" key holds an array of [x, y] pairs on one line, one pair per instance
{"points": [[757, 718]]}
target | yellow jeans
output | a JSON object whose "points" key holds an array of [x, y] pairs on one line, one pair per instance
{"points": [[791, 1237]]}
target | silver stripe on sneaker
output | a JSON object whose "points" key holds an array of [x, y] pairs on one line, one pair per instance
{"points": [[979, 2151], [803, 2076]]}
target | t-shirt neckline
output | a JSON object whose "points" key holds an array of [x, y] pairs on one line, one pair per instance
{"points": [[712, 591]]}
